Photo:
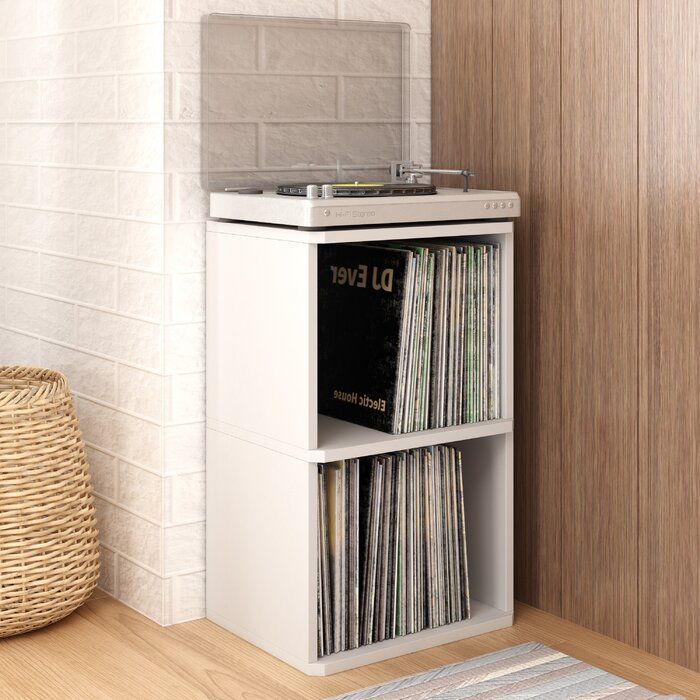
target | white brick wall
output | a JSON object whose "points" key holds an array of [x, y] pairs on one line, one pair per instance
{"points": [[82, 237], [102, 250]]}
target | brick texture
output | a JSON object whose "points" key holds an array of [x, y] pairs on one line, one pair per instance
{"points": [[102, 215]]}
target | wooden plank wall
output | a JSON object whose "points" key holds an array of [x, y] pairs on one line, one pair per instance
{"points": [[467, 50], [526, 157], [593, 120], [599, 320], [669, 228]]}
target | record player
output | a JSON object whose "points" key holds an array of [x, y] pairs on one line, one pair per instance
{"points": [[402, 200], [339, 150]]}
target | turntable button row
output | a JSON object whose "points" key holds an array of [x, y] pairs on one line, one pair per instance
{"points": [[498, 205]]}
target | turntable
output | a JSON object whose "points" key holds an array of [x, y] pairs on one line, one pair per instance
{"points": [[338, 152], [315, 212], [318, 205]]}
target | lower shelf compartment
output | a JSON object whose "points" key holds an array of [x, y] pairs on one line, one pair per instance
{"points": [[262, 534], [484, 619]]}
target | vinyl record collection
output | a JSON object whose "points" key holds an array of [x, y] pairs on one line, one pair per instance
{"points": [[449, 337], [409, 333], [392, 550]]}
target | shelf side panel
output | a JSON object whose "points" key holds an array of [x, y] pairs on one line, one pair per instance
{"points": [[487, 465], [261, 546], [261, 336]]}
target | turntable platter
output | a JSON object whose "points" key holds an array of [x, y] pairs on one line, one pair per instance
{"points": [[362, 189]]}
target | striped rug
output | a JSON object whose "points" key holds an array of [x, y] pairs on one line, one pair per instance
{"points": [[530, 670]]}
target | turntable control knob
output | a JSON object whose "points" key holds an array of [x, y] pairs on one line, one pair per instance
{"points": [[327, 191], [312, 191]]}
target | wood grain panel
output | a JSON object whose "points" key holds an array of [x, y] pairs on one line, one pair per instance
{"points": [[526, 158], [608, 312], [462, 89], [669, 218], [599, 330]]}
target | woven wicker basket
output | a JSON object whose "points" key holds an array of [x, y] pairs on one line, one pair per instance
{"points": [[48, 538]]}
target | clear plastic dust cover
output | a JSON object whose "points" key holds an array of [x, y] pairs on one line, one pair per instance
{"points": [[302, 100]]}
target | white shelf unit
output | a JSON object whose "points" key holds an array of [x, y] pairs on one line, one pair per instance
{"points": [[265, 439]]}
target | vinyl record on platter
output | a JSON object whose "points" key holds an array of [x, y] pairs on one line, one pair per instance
{"points": [[362, 189]]}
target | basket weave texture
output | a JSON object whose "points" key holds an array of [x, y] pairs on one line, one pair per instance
{"points": [[49, 560]]}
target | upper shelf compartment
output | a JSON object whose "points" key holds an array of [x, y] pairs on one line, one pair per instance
{"points": [[262, 341]]}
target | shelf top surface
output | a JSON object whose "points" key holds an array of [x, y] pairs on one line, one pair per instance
{"points": [[358, 234]]}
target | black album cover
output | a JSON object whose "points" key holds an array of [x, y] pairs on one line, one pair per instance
{"points": [[360, 308]]}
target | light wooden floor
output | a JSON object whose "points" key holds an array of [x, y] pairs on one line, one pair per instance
{"points": [[106, 650]]}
